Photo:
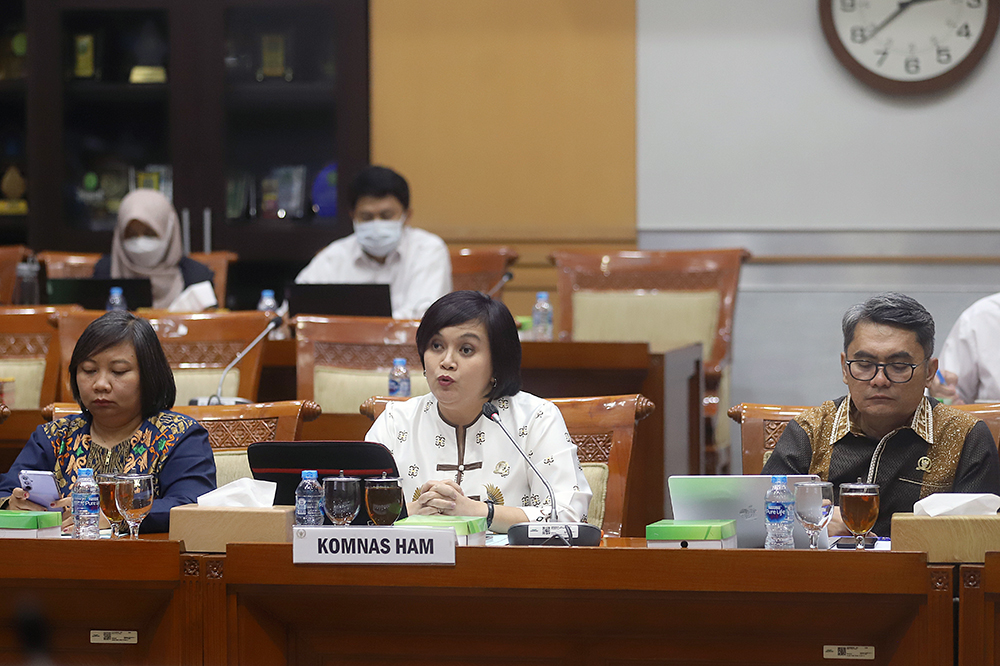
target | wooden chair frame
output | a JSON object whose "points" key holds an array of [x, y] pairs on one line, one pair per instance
{"points": [[31, 333], [232, 427], [68, 264], [218, 262], [761, 427], [360, 343], [480, 268], [603, 429], [211, 340]]}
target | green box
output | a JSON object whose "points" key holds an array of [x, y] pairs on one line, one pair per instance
{"points": [[29, 520], [691, 534], [464, 525]]}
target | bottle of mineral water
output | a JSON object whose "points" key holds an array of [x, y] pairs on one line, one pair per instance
{"points": [[116, 300], [541, 318], [86, 506], [779, 514], [399, 379], [309, 500]]}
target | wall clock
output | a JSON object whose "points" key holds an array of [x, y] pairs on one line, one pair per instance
{"points": [[909, 46]]}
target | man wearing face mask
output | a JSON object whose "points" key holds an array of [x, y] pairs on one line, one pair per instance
{"points": [[384, 248], [147, 244]]}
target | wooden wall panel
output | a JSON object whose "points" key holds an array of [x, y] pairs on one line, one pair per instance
{"points": [[513, 120]]}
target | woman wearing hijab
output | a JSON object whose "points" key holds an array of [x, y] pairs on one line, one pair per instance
{"points": [[147, 244]]}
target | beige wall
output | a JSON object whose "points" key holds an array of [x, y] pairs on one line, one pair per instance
{"points": [[513, 120]]}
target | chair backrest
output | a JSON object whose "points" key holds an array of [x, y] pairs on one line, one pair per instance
{"points": [[480, 268], [68, 264], [761, 427], [603, 428], [198, 347], [232, 428], [683, 297], [10, 257], [29, 353], [218, 262], [341, 361]]}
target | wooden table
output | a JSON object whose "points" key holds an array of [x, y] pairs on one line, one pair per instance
{"points": [[979, 612]]}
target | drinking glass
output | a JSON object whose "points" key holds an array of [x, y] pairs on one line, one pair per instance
{"points": [[106, 484], [859, 509], [814, 508], [383, 499], [341, 498], [134, 497]]}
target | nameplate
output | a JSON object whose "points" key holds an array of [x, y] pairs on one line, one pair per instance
{"points": [[546, 530], [373, 545], [861, 652], [127, 637]]}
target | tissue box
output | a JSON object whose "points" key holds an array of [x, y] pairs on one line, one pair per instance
{"points": [[30, 524], [704, 534], [209, 529], [469, 530], [947, 538]]}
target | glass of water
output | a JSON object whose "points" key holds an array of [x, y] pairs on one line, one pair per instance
{"points": [[134, 496], [341, 498], [814, 508]]}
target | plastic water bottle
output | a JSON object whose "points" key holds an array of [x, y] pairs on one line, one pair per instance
{"points": [[26, 290], [116, 300], [269, 304], [541, 317], [399, 379], [86, 506], [309, 500], [779, 515]]}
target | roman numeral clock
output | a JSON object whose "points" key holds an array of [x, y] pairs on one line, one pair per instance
{"points": [[909, 46]]}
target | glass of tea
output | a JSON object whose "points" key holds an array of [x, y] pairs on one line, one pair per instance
{"points": [[341, 498], [383, 499], [134, 498], [814, 508], [106, 484], [859, 508]]}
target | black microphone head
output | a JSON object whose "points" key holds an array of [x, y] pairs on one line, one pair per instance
{"points": [[276, 321], [508, 276], [489, 411]]}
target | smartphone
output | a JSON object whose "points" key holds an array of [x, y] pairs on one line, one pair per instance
{"points": [[40, 486]]}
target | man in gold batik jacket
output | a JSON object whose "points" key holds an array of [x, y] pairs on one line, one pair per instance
{"points": [[885, 431]]}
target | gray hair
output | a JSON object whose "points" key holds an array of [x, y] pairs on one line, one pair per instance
{"points": [[892, 309]]}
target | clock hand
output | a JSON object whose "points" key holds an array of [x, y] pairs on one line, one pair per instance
{"points": [[903, 6]]}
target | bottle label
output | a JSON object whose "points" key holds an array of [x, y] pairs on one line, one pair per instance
{"points": [[778, 512], [86, 503]]}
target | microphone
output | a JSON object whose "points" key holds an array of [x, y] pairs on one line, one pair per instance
{"points": [[507, 277], [217, 399], [550, 532]]}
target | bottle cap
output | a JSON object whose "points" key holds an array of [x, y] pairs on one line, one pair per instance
{"points": [[779, 478], [267, 293], [309, 474], [85, 471], [116, 291], [399, 361], [542, 294]]}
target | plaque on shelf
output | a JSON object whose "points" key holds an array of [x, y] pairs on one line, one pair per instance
{"points": [[239, 190], [149, 54], [13, 48], [156, 177], [291, 191], [324, 192], [114, 183], [13, 187], [274, 60]]}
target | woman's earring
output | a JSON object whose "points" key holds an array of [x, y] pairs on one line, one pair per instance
{"points": [[425, 373], [494, 382]]}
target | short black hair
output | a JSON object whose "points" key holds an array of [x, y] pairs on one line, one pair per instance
{"points": [[379, 181], [460, 307], [156, 380], [892, 309]]}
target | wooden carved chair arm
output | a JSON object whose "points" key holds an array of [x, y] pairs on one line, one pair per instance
{"points": [[310, 410], [47, 411], [368, 408], [4, 412], [643, 407], [736, 412]]}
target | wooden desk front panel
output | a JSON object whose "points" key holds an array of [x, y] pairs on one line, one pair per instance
{"points": [[74, 587], [589, 606]]}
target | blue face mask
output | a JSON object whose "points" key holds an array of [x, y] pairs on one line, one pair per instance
{"points": [[379, 237]]}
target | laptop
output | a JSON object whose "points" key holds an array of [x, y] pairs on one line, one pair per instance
{"points": [[738, 497], [92, 293], [346, 300], [283, 462]]}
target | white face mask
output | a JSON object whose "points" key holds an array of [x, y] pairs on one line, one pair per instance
{"points": [[379, 237], [145, 251]]}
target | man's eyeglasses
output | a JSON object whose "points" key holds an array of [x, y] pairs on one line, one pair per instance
{"points": [[865, 371]]}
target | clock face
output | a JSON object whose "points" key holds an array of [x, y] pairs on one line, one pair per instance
{"points": [[915, 45]]}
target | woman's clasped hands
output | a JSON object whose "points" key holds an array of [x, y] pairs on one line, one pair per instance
{"points": [[443, 497]]}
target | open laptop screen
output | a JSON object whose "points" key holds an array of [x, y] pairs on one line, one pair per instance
{"points": [[346, 300], [92, 293]]}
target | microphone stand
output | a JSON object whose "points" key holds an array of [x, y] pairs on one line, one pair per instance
{"points": [[216, 399], [552, 532], [504, 280]]}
